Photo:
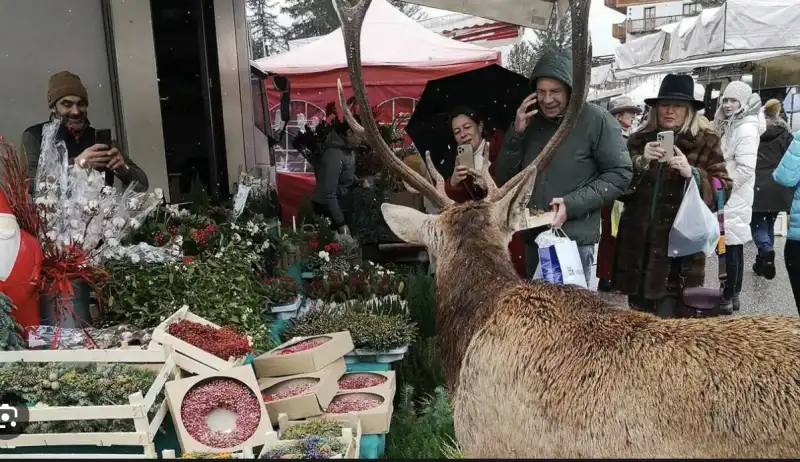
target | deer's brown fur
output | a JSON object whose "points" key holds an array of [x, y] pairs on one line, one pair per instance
{"points": [[542, 370]]}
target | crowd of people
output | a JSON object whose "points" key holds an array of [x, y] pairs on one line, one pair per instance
{"points": [[612, 168]]}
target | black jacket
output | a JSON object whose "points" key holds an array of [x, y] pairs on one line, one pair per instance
{"points": [[769, 195], [31, 149]]}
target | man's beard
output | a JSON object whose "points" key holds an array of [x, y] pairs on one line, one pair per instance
{"points": [[77, 123]]}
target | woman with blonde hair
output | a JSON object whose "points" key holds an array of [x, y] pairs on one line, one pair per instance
{"points": [[643, 268]]}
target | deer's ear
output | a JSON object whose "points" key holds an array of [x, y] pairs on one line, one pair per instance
{"points": [[408, 224]]}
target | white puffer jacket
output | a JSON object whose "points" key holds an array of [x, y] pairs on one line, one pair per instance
{"points": [[740, 136]]}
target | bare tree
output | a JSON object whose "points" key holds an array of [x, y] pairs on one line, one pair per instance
{"points": [[267, 36]]}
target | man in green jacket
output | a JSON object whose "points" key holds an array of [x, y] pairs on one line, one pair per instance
{"points": [[590, 170], [69, 102]]}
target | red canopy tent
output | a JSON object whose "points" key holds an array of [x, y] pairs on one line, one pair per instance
{"points": [[399, 57]]}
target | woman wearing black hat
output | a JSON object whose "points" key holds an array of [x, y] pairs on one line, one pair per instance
{"points": [[642, 268]]}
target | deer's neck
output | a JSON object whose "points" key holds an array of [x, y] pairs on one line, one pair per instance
{"points": [[468, 283]]}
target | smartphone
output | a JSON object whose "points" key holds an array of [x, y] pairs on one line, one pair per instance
{"points": [[466, 156], [667, 141], [103, 136]]}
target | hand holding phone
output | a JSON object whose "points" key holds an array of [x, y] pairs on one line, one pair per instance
{"points": [[466, 156], [525, 113], [667, 141]]}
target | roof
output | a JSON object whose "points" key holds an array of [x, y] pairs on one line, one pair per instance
{"points": [[388, 38]]}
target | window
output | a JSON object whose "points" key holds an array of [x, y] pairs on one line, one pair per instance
{"points": [[691, 8], [650, 12]]}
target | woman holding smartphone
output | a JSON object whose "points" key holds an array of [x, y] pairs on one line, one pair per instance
{"points": [[643, 269], [470, 134], [475, 151]]}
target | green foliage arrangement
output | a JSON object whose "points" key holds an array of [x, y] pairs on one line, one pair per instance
{"points": [[10, 330], [422, 429], [70, 384], [223, 289], [422, 366], [320, 427], [362, 282], [370, 329]]}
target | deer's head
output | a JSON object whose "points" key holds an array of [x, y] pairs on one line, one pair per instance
{"points": [[502, 212]]}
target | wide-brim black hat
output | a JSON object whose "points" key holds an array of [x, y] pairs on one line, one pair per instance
{"points": [[676, 87]]}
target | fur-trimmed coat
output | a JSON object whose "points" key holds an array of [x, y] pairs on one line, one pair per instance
{"points": [[641, 264]]}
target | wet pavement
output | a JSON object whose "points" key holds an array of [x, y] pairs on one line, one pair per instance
{"points": [[759, 296]]}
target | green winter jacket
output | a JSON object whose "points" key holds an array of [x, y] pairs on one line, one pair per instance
{"points": [[590, 170]]}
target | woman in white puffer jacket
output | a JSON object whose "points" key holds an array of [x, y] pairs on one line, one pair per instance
{"points": [[740, 122]]}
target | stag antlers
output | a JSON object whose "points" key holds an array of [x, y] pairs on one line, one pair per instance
{"points": [[352, 18]]}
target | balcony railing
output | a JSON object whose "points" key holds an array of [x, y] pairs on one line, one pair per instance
{"points": [[639, 26]]}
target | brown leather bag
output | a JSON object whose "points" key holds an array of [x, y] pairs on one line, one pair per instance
{"points": [[698, 302], [702, 302]]}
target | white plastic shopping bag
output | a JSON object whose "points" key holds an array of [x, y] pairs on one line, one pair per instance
{"points": [[559, 259], [696, 228]]}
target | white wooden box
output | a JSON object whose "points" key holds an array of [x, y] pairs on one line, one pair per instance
{"points": [[136, 410], [162, 336]]}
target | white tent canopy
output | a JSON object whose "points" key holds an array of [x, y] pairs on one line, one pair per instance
{"points": [[738, 31], [527, 13], [388, 38]]}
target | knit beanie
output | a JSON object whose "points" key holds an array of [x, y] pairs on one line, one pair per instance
{"points": [[63, 84], [772, 108], [739, 91]]}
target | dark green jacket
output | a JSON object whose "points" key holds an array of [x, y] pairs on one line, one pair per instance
{"points": [[335, 176], [591, 169], [31, 149]]}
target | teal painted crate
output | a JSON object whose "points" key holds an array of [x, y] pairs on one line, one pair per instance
{"points": [[369, 367], [372, 446]]}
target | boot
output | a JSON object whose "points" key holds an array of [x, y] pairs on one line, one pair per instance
{"points": [[768, 268], [735, 303], [726, 307], [758, 266]]}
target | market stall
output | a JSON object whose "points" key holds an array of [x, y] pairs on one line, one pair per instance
{"points": [[206, 330]]}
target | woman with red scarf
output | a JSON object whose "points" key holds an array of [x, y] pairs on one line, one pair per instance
{"points": [[468, 128]]}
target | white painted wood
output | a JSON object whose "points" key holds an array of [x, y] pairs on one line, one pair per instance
{"points": [[84, 356], [75, 439], [161, 335], [71, 456], [55, 414], [136, 410]]}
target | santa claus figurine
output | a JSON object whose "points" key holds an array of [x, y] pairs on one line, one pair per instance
{"points": [[20, 266]]}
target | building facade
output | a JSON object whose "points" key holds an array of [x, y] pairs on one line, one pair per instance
{"points": [[646, 16], [171, 79]]}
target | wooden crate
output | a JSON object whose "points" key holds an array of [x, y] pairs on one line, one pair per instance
{"points": [[136, 409], [350, 420], [162, 336], [347, 437]]}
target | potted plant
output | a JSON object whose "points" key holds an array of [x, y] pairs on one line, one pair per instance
{"points": [[379, 332], [282, 297]]}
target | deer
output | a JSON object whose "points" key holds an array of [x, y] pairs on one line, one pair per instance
{"points": [[554, 371]]}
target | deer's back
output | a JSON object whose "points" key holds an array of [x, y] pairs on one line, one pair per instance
{"points": [[558, 371]]}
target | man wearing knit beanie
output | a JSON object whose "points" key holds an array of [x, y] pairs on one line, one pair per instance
{"points": [[69, 103], [770, 198]]}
